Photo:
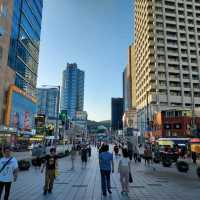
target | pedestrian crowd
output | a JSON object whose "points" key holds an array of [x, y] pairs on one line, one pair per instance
{"points": [[124, 156]]}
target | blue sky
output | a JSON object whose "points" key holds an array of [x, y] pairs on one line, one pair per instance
{"points": [[93, 33]]}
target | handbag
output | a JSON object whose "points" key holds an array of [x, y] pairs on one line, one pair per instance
{"points": [[57, 173], [5, 164], [130, 178]]}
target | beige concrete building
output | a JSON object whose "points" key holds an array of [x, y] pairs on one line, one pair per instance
{"points": [[167, 54], [6, 73]]}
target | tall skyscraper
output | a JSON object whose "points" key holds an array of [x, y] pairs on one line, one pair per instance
{"points": [[7, 75], [128, 83], [47, 101], [20, 27], [72, 93], [117, 105], [167, 59], [24, 43]]}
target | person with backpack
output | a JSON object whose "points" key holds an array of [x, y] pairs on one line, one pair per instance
{"points": [[8, 172], [124, 169], [50, 164]]}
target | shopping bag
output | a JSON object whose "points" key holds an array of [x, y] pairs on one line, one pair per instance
{"points": [[130, 178], [57, 173]]}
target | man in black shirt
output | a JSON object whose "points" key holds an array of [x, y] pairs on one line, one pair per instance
{"points": [[50, 164]]}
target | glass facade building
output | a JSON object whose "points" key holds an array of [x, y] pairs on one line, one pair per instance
{"points": [[117, 105], [47, 101], [72, 94], [24, 43]]}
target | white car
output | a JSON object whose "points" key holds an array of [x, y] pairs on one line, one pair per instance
{"points": [[30, 147]]}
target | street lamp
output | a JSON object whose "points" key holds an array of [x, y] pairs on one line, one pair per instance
{"points": [[57, 114]]}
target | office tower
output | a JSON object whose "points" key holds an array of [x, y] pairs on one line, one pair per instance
{"points": [[72, 94], [117, 110], [129, 81], [167, 47], [7, 75], [127, 88], [47, 101], [24, 43], [20, 27]]}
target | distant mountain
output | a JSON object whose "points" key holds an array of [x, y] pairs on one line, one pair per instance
{"points": [[93, 125]]}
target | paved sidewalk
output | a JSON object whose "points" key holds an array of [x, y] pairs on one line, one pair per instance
{"points": [[84, 184]]}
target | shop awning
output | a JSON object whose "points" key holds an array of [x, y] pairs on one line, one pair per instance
{"points": [[166, 142]]}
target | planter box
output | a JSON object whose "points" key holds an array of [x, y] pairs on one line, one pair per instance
{"points": [[156, 160], [198, 172], [23, 165], [182, 166], [166, 163]]}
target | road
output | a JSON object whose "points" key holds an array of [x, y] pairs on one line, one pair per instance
{"points": [[150, 183], [28, 155]]}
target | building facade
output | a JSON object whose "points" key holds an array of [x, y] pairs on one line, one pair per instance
{"points": [[174, 123], [47, 101], [24, 43], [20, 26], [72, 92], [167, 38], [81, 120], [20, 110], [7, 75], [129, 89], [117, 105]]}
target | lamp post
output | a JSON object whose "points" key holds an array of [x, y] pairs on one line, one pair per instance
{"points": [[57, 114], [148, 110]]}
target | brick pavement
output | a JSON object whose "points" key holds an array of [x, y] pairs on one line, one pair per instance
{"points": [[84, 184]]}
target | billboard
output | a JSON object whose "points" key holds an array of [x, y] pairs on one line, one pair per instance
{"points": [[21, 110]]}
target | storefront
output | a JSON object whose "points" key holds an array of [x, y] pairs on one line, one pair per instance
{"points": [[20, 110], [195, 145]]}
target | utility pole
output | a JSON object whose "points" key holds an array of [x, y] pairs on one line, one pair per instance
{"points": [[193, 115], [148, 110]]}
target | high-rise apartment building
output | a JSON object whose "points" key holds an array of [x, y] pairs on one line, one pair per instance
{"points": [[47, 101], [72, 93], [167, 55]]}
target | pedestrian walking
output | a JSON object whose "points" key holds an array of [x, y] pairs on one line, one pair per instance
{"points": [[73, 155], [136, 155], [124, 169], [84, 156], [8, 171], [106, 165], [39, 154], [148, 156], [116, 150], [89, 151], [194, 157], [50, 164], [145, 156]]}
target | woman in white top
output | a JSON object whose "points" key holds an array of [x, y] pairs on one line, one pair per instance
{"points": [[124, 169]]}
